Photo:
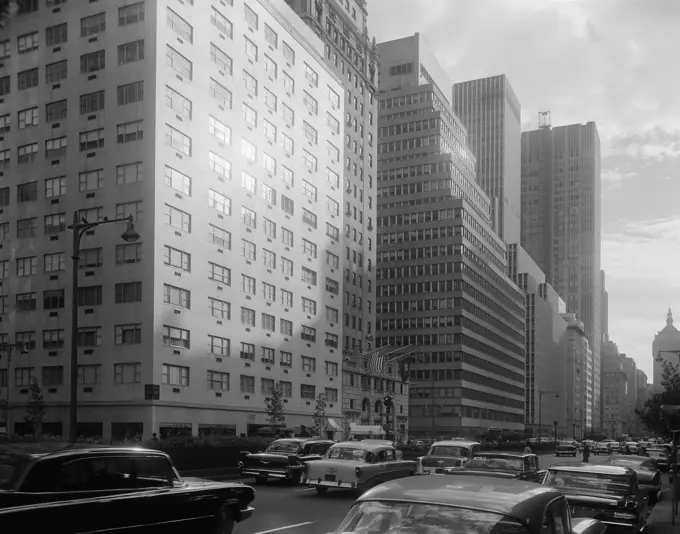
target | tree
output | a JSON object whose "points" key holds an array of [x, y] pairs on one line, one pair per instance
{"points": [[274, 407], [650, 415], [320, 417], [35, 409]]}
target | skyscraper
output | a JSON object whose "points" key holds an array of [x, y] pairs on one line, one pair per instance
{"points": [[442, 286], [217, 127], [491, 114], [666, 341], [561, 223]]}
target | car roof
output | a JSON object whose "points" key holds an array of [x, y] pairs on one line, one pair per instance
{"points": [[501, 454], [592, 468], [455, 443], [41, 450], [366, 445], [523, 500], [303, 440]]}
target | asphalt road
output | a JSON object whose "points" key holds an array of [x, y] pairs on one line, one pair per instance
{"points": [[299, 510]]}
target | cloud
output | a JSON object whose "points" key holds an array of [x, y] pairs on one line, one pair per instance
{"points": [[615, 177]]}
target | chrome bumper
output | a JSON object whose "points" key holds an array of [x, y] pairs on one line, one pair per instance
{"points": [[329, 484], [246, 513], [267, 473]]}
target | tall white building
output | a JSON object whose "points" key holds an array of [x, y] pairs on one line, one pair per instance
{"points": [[219, 128]]}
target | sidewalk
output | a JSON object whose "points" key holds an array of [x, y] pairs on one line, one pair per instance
{"points": [[660, 521]]}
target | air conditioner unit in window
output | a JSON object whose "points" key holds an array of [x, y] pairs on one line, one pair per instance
{"points": [[347, 234], [349, 189], [370, 227]]}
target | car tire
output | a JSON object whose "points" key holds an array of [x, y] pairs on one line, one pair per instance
{"points": [[321, 490], [294, 481], [260, 481], [225, 521]]}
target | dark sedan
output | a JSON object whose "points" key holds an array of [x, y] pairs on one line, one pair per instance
{"points": [[605, 492], [663, 460], [463, 505], [648, 474], [566, 448], [77, 490], [501, 464], [284, 459]]}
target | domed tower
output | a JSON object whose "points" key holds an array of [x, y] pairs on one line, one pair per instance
{"points": [[667, 339]]}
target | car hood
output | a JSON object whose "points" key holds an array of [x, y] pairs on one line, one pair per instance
{"points": [[592, 498], [497, 473], [204, 483], [441, 461]]}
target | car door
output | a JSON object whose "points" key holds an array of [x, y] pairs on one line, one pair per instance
{"points": [[557, 519]]}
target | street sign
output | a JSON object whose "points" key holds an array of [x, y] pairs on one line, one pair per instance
{"points": [[152, 392]]}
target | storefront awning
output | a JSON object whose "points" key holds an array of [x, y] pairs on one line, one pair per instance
{"points": [[333, 425], [366, 429]]}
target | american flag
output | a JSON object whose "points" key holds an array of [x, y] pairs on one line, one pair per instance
{"points": [[377, 363]]}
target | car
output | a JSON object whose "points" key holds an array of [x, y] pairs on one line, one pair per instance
{"points": [[661, 456], [444, 454], [462, 505], [397, 446], [284, 459], [356, 466], [501, 464], [630, 447], [608, 493], [78, 489], [648, 474], [601, 448], [566, 448]]}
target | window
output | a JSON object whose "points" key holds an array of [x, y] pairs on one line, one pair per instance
{"points": [[127, 373], [248, 250], [181, 27], [270, 100], [131, 14], [55, 147], [26, 301], [219, 273], [178, 62], [269, 163], [177, 218], [54, 72], [220, 130], [288, 115], [332, 178], [286, 327], [221, 60], [333, 98], [55, 35], [220, 165], [268, 194], [248, 182], [175, 375], [220, 346], [333, 152], [247, 384], [27, 228], [310, 161], [287, 237], [270, 67], [220, 237], [331, 315], [28, 117], [28, 42], [220, 308], [129, 173], [89, 374], [248, 217], [55, 223], [218, 381], [247, 351], [27, 266], [131, 52], [129, 253], [177, 140], [130, 131], [311, 103], [220, 93], [307, 391], [130, 93], [286, 298], [268, 292], [92, 24], [128, 292], [271, 36], [91, 257], [129, 209], [308, 333], [91, 180], [250, 49], [248, 284], [90, 296], [5, 123], [311, 75], [269, 228], [287, 176], [53, 339], [177, 102], [251, 17], [288, 145], [269, 325], [288, 83], [287, 205], [308, 276], [309, 248], [308, 306], [128, 334], [331, 395], [176, 337], [221, 22], [250, 83], [332, 260], [91, 140], [52, 375], [309, 218], [247, 317], [27, 79], [93, 62], [176, 296], [54, 262], [288, 53], [4, 85], [27, 192], [177, 258]]}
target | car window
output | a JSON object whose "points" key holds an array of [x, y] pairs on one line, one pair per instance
{"points": [[319, 448], [12, 468], [390, 456], [382, 456], [554, 521]]}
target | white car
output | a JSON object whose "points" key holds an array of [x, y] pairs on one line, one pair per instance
{"points": [[442, 454]]}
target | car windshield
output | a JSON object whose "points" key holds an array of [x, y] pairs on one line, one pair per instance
{"points": [[289, 447], [494, 462], [11, 469], [350, 453], [612, 484], [449, 450], [632, 462], [382, 517]]}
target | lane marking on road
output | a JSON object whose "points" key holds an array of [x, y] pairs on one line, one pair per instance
{"points": [[305, 489], [286, 527]]}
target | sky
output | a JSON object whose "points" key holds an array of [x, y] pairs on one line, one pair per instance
{"points": [[613, 62]]}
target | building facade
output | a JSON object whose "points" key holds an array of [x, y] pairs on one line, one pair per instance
{"points": [[348, 51], [492, 116], [561, 227], [578, 374], [224, 144], [617, 420], [442, 287], [643, 395], [546, 386], [667, 339]]}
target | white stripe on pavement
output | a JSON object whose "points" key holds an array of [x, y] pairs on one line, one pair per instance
{"points": [[305, 489], [286, 527]]}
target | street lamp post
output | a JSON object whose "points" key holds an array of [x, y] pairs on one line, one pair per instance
{"points": [[540, 409], [9, 348], [79, 227]]}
